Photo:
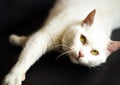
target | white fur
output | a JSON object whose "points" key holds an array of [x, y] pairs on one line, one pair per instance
{"points": [[63, 28]]}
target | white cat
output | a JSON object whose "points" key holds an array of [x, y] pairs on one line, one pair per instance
{"points": [[81, 27]]}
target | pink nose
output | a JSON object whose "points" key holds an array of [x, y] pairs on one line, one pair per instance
{"points": [[81, 54]]}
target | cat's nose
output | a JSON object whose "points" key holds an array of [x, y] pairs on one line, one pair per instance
{"points": [[81, 54]]}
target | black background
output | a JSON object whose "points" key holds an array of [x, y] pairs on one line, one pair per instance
{"points": [[24, 17]]}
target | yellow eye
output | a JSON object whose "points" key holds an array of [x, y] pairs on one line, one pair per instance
{"points": [[94, 52], [83, 39]]}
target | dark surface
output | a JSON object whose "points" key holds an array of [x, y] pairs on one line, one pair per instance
{"points": [[25, 17]]}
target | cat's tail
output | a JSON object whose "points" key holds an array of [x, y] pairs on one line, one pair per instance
{"points": [[18, 40]]}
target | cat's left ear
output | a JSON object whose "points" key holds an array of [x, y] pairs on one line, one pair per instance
{"points": [[113, 46], [90, 18]]}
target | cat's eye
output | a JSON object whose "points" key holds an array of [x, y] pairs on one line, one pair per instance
{"points": [[94, 52], [83, 39]]}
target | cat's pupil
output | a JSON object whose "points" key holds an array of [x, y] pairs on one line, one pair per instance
{"points": [[94, 52], [83, 39]]}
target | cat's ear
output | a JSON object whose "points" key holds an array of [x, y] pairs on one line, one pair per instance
{"points": [[90, 18], [113, 46]]}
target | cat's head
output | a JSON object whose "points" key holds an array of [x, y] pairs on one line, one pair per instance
{"points": [[88, 44]]}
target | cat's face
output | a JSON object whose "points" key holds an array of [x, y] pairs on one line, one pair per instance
{"points": [[86, 44]]}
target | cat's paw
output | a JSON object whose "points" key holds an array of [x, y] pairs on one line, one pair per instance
{"points": [[13, 79], [17, 40], [14, 39]]}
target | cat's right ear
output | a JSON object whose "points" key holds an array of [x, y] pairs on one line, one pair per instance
{"points": [[89, 19]]}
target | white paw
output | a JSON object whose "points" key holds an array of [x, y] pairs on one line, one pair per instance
{"points": [[18, 40], [13, 79], [14, 39]]}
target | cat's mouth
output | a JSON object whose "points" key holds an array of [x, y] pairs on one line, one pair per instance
{"points": [[80, 55], [76, 58]]}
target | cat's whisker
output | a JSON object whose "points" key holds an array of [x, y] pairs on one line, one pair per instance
{"points": [[72, 49], [65, 47], [101, 66], [57, 46], [91, 69], [63, 54], [94, 69]]}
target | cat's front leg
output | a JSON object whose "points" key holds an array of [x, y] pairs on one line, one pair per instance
{"points": [[35, 47]]}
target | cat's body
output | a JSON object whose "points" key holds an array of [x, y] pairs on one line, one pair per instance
{"points": [[107, 12], [85, 39]]}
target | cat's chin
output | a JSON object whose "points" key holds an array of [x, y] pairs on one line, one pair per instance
{"points": [[75, 61], [83, 62]]}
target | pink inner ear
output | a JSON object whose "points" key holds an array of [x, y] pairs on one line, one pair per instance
{"points": [[113, 46], [90, 18]]}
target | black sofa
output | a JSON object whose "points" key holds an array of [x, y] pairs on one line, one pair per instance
{"points": [[24, 17]]}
